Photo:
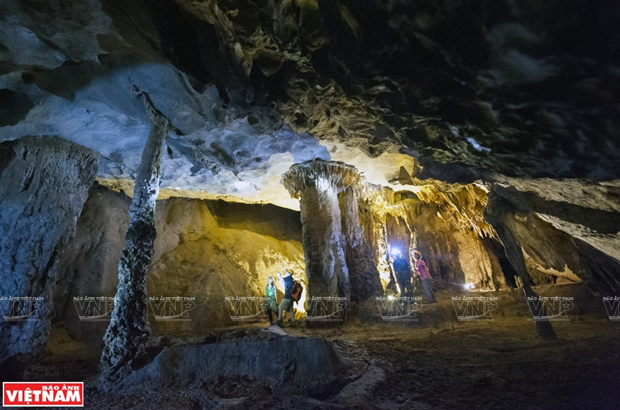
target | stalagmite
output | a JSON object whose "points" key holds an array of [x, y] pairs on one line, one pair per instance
{"points": [[129, 330], [45, 182], [317, 184]]}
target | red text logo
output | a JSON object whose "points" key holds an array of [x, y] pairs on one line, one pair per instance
{"points": [[43, 394]]}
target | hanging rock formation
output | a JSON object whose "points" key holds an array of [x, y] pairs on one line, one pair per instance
{"points": [[497, 214], [45, 182]]}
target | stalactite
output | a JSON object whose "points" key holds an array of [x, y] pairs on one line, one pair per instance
{"points": [[127, 335], [461, 204]]}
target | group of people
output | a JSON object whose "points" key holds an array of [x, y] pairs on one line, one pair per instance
{"points": [[271, 300], [403, 275]]}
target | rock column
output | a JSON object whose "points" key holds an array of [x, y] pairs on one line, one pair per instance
{"points": [[127, 335], [363, 273], [317, 184], [44, 183]]}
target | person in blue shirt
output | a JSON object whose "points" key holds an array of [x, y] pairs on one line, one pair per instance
{"points": [[286, 305]]}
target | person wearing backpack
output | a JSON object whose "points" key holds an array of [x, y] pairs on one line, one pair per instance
{"points": [[286, 305]]}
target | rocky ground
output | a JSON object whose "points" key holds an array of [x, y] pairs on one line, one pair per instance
{"points": [[498, 364]]}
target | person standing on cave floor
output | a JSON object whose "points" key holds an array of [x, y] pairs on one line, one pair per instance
{"points": [[286, 305], [403, 275], [422, 272], [271, 301]]}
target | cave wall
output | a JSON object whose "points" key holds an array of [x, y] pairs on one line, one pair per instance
{"points": [[454, 253], [566, 233], [207, 250], [45, 183]]}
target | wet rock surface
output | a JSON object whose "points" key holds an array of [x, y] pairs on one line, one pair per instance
{"points": [[508, 88]]}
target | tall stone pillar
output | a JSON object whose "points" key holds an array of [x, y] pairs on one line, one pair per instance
{"points": [[360, 256], [44, 182], [127, 335], [375, 206], [317, 184]]}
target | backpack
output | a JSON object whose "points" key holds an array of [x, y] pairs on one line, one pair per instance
{"points": [[296, 291]]}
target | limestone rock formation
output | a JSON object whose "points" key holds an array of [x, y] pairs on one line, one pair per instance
{"points": [[318, 185], [215, 249], [45, 183], [129, 330], [437, 105], [300, 361]]}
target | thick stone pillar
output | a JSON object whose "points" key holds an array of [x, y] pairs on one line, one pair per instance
{"points": [[44, 183], [375, 206], [317, 184], [129, 330], [363, 273]]}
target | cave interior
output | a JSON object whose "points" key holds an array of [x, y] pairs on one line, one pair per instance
{"points": [[162, 161]]}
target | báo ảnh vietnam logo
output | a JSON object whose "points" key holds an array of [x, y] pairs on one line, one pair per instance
{"points": [[326, 309], [246, 308], [43, 394]]}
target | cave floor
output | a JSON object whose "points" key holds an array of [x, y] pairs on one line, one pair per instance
{"points": [[485, 365], [498, 365]]}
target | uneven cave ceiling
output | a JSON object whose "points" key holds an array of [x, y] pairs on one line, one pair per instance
{"points": [[458, 91]]}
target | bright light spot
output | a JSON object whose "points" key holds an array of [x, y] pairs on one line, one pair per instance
{"points": [[394, 251], [477, 146], [390, 297], [469, 285], [484, 188], [323, 184]]}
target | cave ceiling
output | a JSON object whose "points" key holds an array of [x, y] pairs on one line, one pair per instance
{"points": [[518, 93]]}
